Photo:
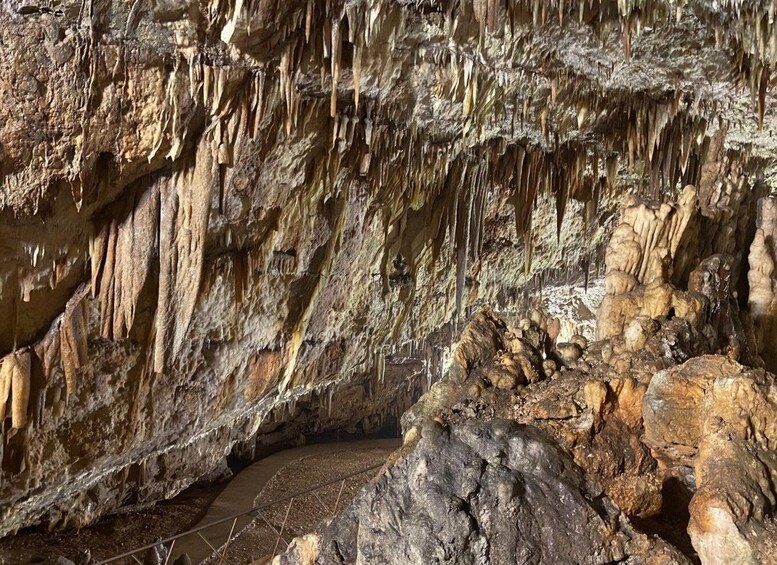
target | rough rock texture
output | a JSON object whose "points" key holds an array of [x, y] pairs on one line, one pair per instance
{"points": [[653, 250], [211, 211], [714, 423], [663, 414], [481, 493], [643, 248], [674, 421], [589, 396], [657, 250]]}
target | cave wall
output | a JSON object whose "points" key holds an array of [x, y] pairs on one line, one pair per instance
{"points": [[211, 209]]}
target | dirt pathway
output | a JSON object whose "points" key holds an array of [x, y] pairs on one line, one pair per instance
{"points": [[287, 471]]}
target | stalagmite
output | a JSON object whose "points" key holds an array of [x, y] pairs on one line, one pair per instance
{"points": [[651, 231], [640, 257], [251, 231], [762, 275]]}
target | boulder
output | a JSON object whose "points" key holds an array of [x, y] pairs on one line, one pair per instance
{"points": [[672, 405], [478, 492], [733, 510], [714, 423]]}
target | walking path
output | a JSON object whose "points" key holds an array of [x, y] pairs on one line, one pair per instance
{"points": [[242, 490]]}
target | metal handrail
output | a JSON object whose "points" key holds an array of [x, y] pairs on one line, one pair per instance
{"points": [[238, 515]]}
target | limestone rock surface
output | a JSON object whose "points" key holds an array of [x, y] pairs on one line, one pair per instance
{"points": [[761, 278], [719, 420], [500, 493], [225, 223]]}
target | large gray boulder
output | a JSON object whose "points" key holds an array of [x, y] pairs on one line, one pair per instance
{"points": [[479, 493]]}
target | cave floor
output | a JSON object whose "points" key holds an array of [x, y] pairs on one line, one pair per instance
{"points": [[280, 476], [274, 477]]}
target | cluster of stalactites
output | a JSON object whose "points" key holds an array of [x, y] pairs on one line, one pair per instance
{"points": [[667, 136], [755, 27], [749, 29], [165, 232], [64, 349], [315, 34], [631, 15], [484, 91], [237, 99]]}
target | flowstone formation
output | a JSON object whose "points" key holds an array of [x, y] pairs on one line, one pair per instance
{"points": [[660, 415], [229, 222]]}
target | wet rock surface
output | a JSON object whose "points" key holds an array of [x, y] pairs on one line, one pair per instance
{"points": [[478, 492], [712, 423]]}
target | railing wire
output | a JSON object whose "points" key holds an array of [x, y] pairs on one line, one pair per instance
{"points": [[253, 509]]}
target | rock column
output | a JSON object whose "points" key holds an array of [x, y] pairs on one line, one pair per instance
{"points": [[761, 279]]}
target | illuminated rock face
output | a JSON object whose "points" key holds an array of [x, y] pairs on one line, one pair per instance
{"points": [[500, 493], [217, 216], [714, 420]]}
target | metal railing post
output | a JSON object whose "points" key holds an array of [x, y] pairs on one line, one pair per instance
{"points": [[229, 539], [169, 552], [283, 526], [339, 494]]}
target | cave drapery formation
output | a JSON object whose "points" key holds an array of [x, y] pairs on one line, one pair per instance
{"points": [[221, 215]]}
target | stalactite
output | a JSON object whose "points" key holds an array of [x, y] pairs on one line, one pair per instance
{"points": [[487, 14], [184, 208], [763, 84], [287, 88], [48, 352], [337, 48], [73, 339], [418, 190], [461, 247], [6, 379], [357, 73], [15, 383], [121, 254], [309, 19]]}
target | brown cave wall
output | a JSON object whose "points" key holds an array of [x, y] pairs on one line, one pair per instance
{"points": [[209, 210]]}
